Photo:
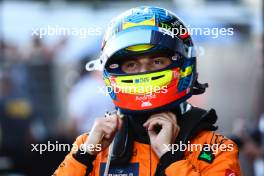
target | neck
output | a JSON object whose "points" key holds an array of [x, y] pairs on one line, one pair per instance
{"points": [[137, 120], [139, 132]]}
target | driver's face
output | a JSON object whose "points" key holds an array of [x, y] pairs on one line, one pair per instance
{"points": [[145, 63]]}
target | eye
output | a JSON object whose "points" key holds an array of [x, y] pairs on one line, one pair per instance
{"points": [[131, 65], [158, 61]]}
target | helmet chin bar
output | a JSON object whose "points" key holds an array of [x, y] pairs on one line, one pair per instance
{"points": [[176, 105]]}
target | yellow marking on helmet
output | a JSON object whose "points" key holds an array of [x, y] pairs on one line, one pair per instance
{"points": [[150, 22], [142, 47], [142, 84], [107, 82], [186, 72]]}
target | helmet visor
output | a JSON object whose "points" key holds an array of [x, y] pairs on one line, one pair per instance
{"points": [[142, 35]]}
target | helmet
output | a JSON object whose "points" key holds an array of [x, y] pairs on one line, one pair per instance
{"points": [[148, 30]]}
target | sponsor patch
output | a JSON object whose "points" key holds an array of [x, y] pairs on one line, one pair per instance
{"points": [[206, 156], [131, 169]]}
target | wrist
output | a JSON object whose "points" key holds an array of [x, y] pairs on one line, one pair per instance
{"points": [[162, 149], [84, 157]]}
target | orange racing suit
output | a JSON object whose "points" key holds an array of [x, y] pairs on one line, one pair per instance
{"points": [[144, 161]]}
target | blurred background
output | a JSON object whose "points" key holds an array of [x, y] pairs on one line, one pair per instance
{"points": [[46, 94]]}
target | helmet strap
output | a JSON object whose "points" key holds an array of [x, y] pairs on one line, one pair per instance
{"points": [[198, 88]]}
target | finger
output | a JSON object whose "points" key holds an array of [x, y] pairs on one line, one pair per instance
{"points": [[167, 124], [166, 115], [111, 135], [112, 121], [111, 118], [152, 134], [170, 116], [156, 122], [173, 116], [108, 132], [161, 117], [150, 119], [155, 119], [111, 127], [117, 122], [108, 136], [113, 124], [177, 127], [115, 119]]}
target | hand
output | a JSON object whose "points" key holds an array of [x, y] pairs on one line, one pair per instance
{"points": [[103, 132], [167, 135]]}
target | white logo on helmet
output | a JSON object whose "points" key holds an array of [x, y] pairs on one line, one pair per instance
{"points": [[146, 97], [113, 66], [146, 104], [165, 31]]}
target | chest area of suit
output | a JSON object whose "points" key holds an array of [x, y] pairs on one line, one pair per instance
{"points": [[143, 162]]}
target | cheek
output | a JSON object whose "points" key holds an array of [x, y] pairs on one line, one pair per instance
{"points": [[123, 68], [167, 63], [162, 65], [157, 67]]}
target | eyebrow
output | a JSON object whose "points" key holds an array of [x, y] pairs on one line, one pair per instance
{"points": [[149, 56]]}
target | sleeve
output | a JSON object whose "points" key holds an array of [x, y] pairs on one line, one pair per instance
{"points": [[76, 163], [223, 163]]}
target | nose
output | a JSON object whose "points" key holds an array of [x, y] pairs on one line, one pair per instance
{"points": [[144, 64], [144, 68]]}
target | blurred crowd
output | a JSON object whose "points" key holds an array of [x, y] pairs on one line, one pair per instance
{"points": [[28, 106], [249, 136]]}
